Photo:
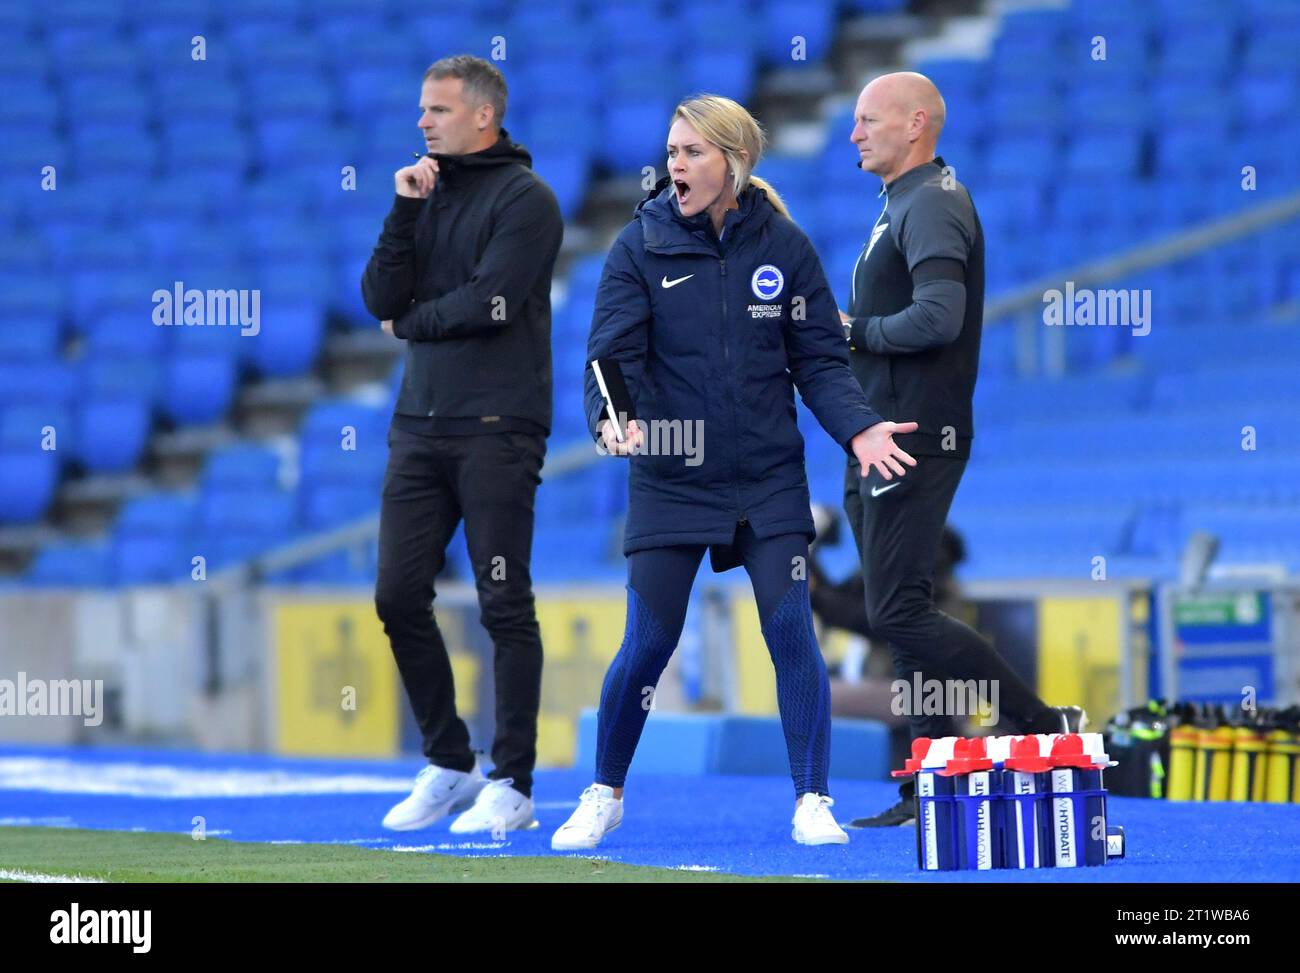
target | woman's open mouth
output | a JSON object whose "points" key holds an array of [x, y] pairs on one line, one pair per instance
{"points": [[683, 190]]}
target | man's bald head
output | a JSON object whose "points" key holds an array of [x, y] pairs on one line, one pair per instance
{"points": [[897, 121], [908, 92]]}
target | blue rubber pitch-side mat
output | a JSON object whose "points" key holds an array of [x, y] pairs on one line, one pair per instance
{"points": [[728, 824]]}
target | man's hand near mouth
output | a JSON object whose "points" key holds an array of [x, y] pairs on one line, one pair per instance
{"points": [[417, 180]]}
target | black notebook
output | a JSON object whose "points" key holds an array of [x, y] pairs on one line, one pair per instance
{"points": [[618, 401]]}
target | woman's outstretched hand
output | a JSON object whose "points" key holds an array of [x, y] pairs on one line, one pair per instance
{"points": [[875, 449]]}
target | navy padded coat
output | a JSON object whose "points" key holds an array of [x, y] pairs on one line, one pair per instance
{"points": [[718, 332]]}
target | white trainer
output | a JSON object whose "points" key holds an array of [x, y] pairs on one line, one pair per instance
{"points": [[599, 812], [438, 792], [498, 808], [814, 824]]}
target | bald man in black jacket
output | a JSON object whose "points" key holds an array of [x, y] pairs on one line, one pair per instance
{"points": [[913, 327]]}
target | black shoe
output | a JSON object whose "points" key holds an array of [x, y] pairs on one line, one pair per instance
{"points": [[901, 814], [1063, 719]]}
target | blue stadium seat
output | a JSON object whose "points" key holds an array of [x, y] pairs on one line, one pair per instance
{"points": [[1114, 155], [32, 301], [330, 506], [325, 462], [123, 334], [784, 20], [1266, 97], [957, 78], [27, 148], [1276, 12], [327, 421], [154, 537], [380, 90], [361, 37], [635, 134], [636, 27], [566, 173], [247, 24], [218, 154], [1027, 109], [1272, 50], [246, 510], [289, 97], [134, 376], [553, 33], [294, 51], [561, 553], [161, 513], [32, 105], [215, 99], [71, 564], [1202, 50], [589, 493], [198, 388], [30, 338], [28, 479], [25, 426], [113, 433], [721, 25], [93, 56], [120, 100], [243, 465], [289, 340], [37, 381], [147, 558], [1025, 156], [877, 6]]}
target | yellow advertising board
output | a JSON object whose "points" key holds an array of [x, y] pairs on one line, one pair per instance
{"points": [[1079, 652], [336, 683], [580, 637]]}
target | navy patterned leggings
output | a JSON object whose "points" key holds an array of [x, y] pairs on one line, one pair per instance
{"points": [[659, 587]]}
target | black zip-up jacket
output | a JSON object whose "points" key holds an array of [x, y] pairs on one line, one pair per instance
{"points": [[465, 276], [918, 309]]}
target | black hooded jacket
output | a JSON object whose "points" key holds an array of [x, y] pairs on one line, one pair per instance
{"points": [[465, 276]]}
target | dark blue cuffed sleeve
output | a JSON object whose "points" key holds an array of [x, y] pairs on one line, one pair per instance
{"points": [[620, 326]]}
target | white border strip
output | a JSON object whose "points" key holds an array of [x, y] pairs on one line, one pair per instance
{"points": [[13, 875]]}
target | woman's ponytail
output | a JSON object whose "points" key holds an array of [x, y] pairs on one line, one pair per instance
{"points": [[773, 196]]}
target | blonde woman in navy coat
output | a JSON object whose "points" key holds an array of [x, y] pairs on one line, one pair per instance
{"points": [[715, 306]]}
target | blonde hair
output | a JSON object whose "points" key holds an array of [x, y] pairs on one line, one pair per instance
{"points": [[729, 126]]}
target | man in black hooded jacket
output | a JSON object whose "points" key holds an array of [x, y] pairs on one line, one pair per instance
{"points": [[462, 273]]}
